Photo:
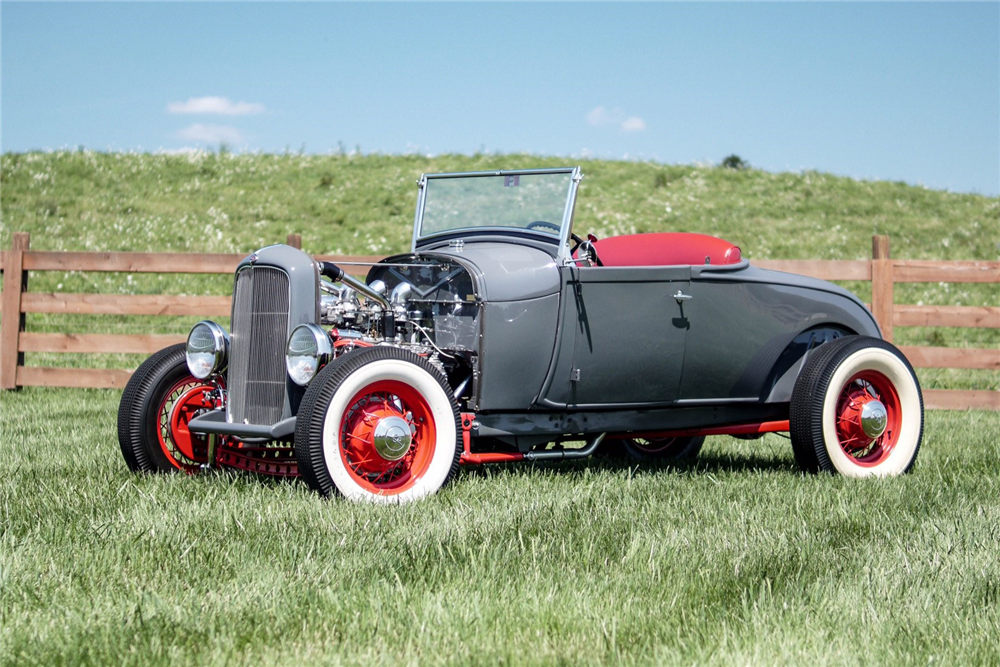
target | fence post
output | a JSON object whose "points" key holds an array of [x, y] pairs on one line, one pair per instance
{"points": [[294, 240], [882, 286], [15, 282]]}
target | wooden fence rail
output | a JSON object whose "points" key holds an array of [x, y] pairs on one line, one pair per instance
{"points": [[881, 270]]}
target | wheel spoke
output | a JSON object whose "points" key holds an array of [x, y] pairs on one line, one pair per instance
{"points": [[358, 437]]}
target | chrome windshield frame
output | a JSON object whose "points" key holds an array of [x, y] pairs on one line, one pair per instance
{"points": [[565, 227]]}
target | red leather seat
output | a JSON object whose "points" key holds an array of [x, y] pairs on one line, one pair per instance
{"points": [[666, 249]]}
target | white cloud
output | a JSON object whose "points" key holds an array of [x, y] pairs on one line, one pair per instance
{"points": [[215, 105], [602, 116], [633, 124], [212, 134]]}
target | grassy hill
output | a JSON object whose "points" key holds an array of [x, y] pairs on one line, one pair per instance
{"points": [[228, 202]]}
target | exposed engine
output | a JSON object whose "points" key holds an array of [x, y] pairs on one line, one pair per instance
{"points": [[427, 306]]}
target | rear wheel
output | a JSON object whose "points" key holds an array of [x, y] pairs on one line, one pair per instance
{"points": [[668, 449], [857, 410], [378, 424], [159, 401], [653, 449]]}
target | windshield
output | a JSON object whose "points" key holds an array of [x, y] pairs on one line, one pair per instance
{"points": [[534, 201]]}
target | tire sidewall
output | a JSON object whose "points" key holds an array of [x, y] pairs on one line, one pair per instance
{"points": [[896, 371], [430, 388], [138, 413]]}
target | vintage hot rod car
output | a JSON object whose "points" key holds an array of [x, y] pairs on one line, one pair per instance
{"points": [[502, 335]]}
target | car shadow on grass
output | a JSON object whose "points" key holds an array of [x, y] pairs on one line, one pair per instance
{"points": [[732, 461], [704, 464]]}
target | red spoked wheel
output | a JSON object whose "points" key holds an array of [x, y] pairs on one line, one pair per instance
{"points": [[857, 409], [378, 424], [182, 403], [387, 435], [868, 418]]}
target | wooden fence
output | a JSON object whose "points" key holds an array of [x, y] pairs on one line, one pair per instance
{"points": [[16, 263]]}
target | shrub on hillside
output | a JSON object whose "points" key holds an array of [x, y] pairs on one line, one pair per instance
{"points": [[734, 161]]}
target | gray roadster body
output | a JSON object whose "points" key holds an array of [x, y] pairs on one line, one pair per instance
{"points": [[500, 336]]}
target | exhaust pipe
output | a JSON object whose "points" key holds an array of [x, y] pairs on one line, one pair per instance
{"points": [[563, 454]]}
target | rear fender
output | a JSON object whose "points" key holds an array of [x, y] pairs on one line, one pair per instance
{"points": [[778, 388]]}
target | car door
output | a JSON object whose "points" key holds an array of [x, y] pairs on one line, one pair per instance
{"points": [[622, 337]]}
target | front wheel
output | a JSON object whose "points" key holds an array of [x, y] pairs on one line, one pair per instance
{"points": [[159, 400], [857, 410], [378, 424]]}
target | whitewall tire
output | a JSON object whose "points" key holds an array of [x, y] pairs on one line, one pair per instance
{"points": [[857, 410], [378, 424]]}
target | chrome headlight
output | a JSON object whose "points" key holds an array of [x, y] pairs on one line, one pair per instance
{"points": [[207, 349], [309, 349]]}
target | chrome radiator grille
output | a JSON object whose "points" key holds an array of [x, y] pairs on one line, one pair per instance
{"points": [[256, 377]]}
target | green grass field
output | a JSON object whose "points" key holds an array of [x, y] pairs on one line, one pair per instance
{"points": [[739, 559], [736, 559]]}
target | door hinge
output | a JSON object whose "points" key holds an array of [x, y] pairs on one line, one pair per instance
{"points": [[574, 375]]}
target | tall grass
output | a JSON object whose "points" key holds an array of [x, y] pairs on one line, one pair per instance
{"points": [[737, 559]]}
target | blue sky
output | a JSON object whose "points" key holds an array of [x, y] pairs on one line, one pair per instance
{"points": [[901, 91]]}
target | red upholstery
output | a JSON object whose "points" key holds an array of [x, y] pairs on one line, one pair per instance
{"points": [[665, 249]]}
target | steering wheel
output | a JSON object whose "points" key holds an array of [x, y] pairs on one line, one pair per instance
{"points": [[578, 242], [551, 225], [589, 248]]}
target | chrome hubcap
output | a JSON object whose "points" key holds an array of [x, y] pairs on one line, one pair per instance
{"points": [[873, 419], [392, 438]]}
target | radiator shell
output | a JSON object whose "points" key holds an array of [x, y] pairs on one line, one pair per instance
{"points": [[274, 290]]}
